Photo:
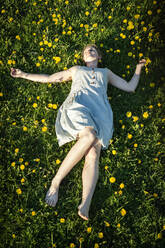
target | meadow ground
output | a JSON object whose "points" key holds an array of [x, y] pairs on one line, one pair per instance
{"points": [[128, 207]]}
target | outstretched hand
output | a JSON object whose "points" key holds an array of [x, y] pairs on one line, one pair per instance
{"points": [[15, 72], [142, 62]]}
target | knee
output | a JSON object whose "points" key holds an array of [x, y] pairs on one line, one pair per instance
{"points": [[88, 133], [94, 153]]}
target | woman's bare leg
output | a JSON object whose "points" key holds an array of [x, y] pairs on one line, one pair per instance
{"points": [[90, 175], [86, 139]]}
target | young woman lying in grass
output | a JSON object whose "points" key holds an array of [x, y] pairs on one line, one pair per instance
{"points": [[85, 116]]}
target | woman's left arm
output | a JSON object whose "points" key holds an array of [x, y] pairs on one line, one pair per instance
{"points": [[121, 83]]}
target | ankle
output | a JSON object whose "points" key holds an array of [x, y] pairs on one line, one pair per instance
{"points": [[55, 184]]}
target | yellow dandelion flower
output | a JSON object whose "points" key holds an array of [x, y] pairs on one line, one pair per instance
{"points": [[50, 105], [13, 164], [87, 13], [22, 166], [62, 220], [16, 150], [130, 54], [137, 16], [145, 115], [155, 195], [132, 42], [38, 64], [58, 161], [96, 245], [86, 26], [33, 213], [95, 25], [149, 12], [144, 29], [66, 2], [120, 192], [72, 245], [122, 185], [13, 236], [106, 223], [125, 21], [34, 171], [114, 152], [97, 3], [112, 179], [14, 123], [109, 17], [129, 114], [128, 8], [100, 235], [21, 210], [159, 104], [22, 180], [49, 44], [44, 129], [89, 229], [123, 212], [45, 42], [9, 62], [160, 235], [81, 25], [19, 191], [135, 145], [140, 54], [35, 105], [57, 59], [54, 106], [25, 129], [129, 136], [123, 126], [3, 11], [158, 11], [18, 37], [118, 225], [106, 167], [135, 118]]}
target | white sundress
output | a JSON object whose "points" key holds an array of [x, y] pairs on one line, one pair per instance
{"points": [[86, 105]]}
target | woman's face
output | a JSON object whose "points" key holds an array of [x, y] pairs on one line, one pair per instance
{"points": [[90, 54]]}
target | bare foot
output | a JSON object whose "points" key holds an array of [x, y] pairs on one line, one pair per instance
{"points": [[52, 196], [83, 213]]}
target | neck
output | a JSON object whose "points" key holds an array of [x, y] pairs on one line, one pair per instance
{"points": [[92, 64]]}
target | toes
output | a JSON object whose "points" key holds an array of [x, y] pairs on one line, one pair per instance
{"points": [[51, 198]]}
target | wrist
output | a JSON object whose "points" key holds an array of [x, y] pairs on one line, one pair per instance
{"points": [[23, 75], [138, 69]]}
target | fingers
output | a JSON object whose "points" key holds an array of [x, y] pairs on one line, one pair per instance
{"points": [[142, 61], [15, 72]]}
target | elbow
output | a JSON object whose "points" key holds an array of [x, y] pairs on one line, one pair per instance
{"points": [[131, 89]]}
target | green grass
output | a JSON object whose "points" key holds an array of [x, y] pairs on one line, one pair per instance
{"points": [[140, 168]]}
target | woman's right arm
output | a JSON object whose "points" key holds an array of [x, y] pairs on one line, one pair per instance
{"points": [[44, 78]]}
